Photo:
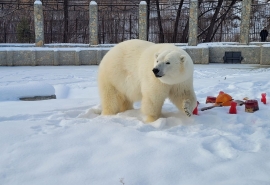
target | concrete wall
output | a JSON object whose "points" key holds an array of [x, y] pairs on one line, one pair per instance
{"points": [[265, 55], [199, 55], [28, 55], [32, 56], [251, 54]]}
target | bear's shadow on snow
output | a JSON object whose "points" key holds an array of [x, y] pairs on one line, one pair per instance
{"points": [[168, 119]]}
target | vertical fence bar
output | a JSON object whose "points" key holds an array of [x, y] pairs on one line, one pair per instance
{"points": [[130, 26], [93, 23], [193, 23], [103, 30], [5, 32], [245, 22], [51, 30], [143, 20], [39, 23]]}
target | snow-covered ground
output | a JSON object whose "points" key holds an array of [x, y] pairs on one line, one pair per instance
{"points": [[64, 141]]}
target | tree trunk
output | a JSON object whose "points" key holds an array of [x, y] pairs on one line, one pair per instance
{"points": [[65, 39], [161, 33], [184, 38], [223, 17], [177, 20], [213, 21], [147, 18]]}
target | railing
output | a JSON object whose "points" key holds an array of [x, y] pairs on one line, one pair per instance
{"points": [[227, 23], [70, 27], [260, 18], [117, 22], [16, 22], [168, 28], [69, 22]]}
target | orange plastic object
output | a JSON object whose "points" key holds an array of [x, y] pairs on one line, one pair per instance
{"points": [[223, 99]]}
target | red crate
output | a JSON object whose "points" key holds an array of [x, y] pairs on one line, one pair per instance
{"points": [[251, 106], [211, 99]]}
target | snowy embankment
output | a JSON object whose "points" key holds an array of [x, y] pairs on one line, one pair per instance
{"points": [[64, 141], [29, 89]]}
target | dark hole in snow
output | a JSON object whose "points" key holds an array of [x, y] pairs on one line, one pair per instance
{"points": [[37, 98]]}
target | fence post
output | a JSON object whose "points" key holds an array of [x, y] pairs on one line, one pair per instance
{"points": [[245, 22], [93, 23], [193, 23], [39, 23], [143, 20]]}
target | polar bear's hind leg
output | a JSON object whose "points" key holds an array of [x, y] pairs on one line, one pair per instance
{"points": [[109, 100], [113, 101]]}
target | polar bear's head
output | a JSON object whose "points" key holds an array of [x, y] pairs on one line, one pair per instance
{"points": [[172, 66]]}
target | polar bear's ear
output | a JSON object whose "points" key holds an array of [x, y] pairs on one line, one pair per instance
{"points": [[182, 58], [156, 55]]}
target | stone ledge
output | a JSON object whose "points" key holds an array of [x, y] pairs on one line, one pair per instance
{"points": [[49, 56]]}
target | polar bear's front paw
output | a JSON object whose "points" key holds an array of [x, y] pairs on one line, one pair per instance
{"points": [[186, 107]]}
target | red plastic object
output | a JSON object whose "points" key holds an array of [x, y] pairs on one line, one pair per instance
{"points": [[210, 99], [251, 106], [233, 108], [263, 99], [195, 111]]}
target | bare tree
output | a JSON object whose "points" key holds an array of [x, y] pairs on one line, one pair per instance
{"points": [[65, 38], [212, 23], [161, 33], [177, 20]]}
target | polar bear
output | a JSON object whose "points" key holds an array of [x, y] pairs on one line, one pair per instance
{"points": [[137, 70]]}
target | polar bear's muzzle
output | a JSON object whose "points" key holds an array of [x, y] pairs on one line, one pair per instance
{"points": [[157, 72]]}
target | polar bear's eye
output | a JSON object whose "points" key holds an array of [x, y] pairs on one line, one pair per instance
{"points": [[168, 63]]}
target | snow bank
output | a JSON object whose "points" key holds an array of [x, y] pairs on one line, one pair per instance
{"points": [[67, 141], [29, 89]]}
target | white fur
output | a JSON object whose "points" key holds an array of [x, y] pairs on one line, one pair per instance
{"points": [[126, 76]]}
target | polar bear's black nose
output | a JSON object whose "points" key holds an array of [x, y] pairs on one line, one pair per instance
{"points": [[155, 70]]}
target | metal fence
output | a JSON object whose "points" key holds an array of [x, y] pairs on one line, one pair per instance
{"points": [[68, 21], [16, 22], [227, 23], [165, 26], [117, 22], [260, 18]]}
